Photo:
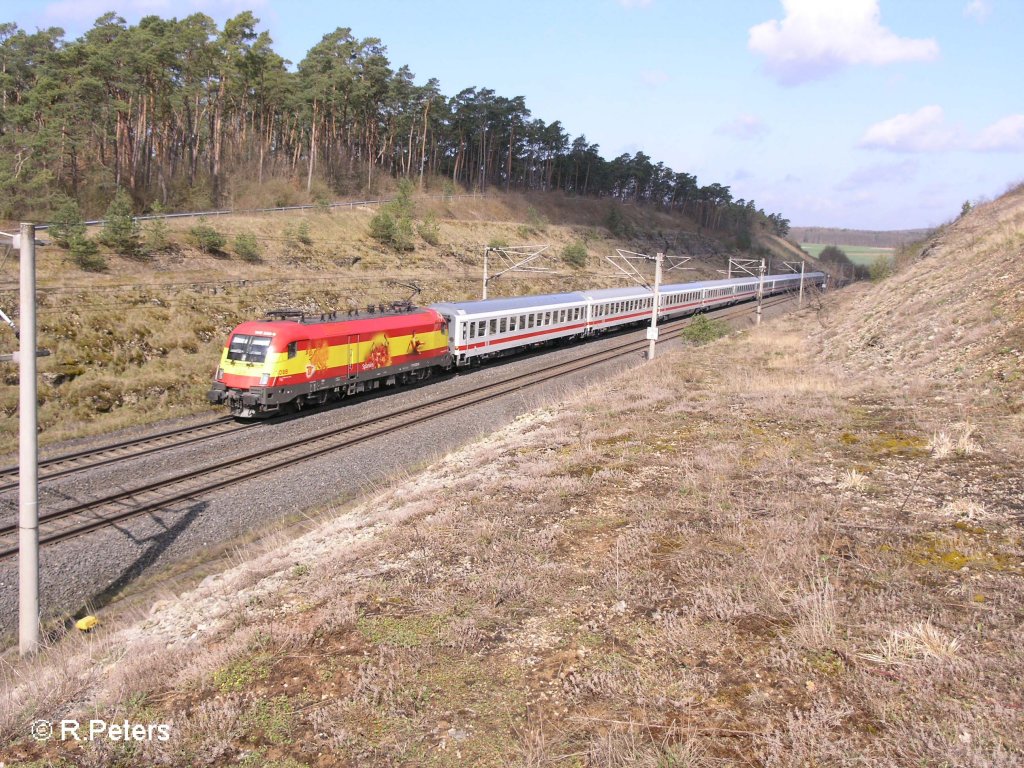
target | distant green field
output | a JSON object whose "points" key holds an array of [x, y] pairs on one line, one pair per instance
{"points": [[859, 254]]}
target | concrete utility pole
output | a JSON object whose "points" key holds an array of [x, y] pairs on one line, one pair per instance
{"points": [[652, 332], [626, 267], [800, 301], [487, 250], [28, 456], [760, 290]]}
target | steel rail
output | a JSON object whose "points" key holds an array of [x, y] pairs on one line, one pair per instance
{"points": [[78, 461]]}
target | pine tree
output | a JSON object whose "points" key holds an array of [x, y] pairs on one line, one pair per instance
{"points": [[67, 223], [120, 230]]}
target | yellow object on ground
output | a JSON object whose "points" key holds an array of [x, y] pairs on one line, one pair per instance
{"points": [[86, 623]]}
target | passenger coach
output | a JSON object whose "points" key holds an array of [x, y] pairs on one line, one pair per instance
{"points": [[478, 329]]}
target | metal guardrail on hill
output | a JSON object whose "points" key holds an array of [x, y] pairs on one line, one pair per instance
{"points": [[239, 211]]}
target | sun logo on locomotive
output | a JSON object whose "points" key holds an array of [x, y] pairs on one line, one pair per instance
{"points": [[380, 353], [318, 353]]}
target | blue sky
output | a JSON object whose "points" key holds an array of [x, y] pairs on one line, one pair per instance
{"points": [[870, 114]]}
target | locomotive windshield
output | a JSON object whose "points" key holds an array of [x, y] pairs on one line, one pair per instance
{"points": [[248, 349]]}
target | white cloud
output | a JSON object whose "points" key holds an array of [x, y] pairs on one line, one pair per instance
{"points": [[1006, 135], [880, 173], [654, 76], [978, 10], [817, 38], [922, 131], [745, 127]]}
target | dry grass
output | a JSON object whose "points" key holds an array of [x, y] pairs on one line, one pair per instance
{"points": [[684, 566]]}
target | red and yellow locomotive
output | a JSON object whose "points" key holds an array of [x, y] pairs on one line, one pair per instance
{"points": [[291, 360]]}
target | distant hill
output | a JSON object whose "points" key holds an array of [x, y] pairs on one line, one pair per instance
{"points": [[880, 239]]}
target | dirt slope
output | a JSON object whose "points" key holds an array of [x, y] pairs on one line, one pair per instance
{"points": [[955, 317]]}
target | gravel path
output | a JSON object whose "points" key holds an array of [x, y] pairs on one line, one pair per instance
{"points": [[90, 570]]}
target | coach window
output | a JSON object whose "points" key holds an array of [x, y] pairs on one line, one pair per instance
{"points": [[472, 330], [503, 325], [494, 327]]}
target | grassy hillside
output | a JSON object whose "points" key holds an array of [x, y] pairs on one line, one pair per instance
{"points": [[139, 341]]}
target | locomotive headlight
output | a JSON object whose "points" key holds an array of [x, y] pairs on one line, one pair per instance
{"points": [[264, 379], [219, 375]]}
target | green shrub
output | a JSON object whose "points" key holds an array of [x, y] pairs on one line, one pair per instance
{"points": [[67, 223], [156, 237], [497, 242], [206, 238], [85, 253], [247, 247], [616, 222], [880, 268], [121, 231], [403, 238], [703, 329], [430, 230], [392, 225], [302, 233], [575, 254], [382, 227], [402, 203]]}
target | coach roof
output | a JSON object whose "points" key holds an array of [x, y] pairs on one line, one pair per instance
{"points": [[490, 306]]}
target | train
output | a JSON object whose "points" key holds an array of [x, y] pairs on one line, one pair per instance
{"points": [[292, 359]]}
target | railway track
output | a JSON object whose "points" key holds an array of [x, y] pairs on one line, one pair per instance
{"points": [[93, 515], [112, 453]]}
